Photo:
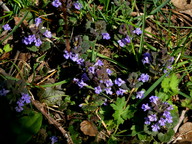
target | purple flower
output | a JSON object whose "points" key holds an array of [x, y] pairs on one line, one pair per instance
{"points": [[81, 83], [47, 34], [99, 63], [119, 81], [28, 40], [167, 69], [147, 121], [80, 61], [109, 83], [137, 31], [171, 60], [74, 57], [84, 77], [38, 42], [140, 94], [4, 92], [162, 121], [98, 90], [38, 21], [120, 91], [108, 90], [154, 99], [145, 107], [106, 36], [144, 78], [109, 72], [56, 3], [166, 114], [127, 40], [20, 103], [91, 69], [26, 98], [66, 54], [145, 60], [152, 117], [170, 107], [169, 119], [75, 80], [155, 127], [124, 41], [6, 27], [105, 102], [80, 105], [78, 5], [53, 139], [121, 43], [18, 108]]}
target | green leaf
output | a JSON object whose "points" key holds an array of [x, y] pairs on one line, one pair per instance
{"points": [[187, 103], [174, 82], [45, 46], [7, 48], [167, 136], [121, 111], [27, 126], [165, 85], [33, 48], [170, 84]]}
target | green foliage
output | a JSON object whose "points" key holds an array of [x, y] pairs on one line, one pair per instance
{"points": [[45, 46], [170, 85], [7, 48], [167, 136], [189, 86], [187, 103], [74, 135], [106, 3], [33, 48], [121, 110], [27, 126], [51, 95]]}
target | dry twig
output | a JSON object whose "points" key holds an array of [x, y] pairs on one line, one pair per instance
{"points": [[41, 108]]}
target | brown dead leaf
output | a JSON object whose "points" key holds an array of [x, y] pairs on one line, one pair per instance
{"points": [[88, 128], [182, 4], [149, 29], [186, 127], [186, 132], [101, 136], [18, 19]]}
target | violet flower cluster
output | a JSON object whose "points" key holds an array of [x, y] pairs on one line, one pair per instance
{"points": [[34, 38], [146, 58], [78, 5], [53, 139], [4, 92], [56, 3], [140, 94], [99, 73], [123, 42], [105, 36], [25, 99], [158, 114], [74, 57], [6, 27], [144, 77]]}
